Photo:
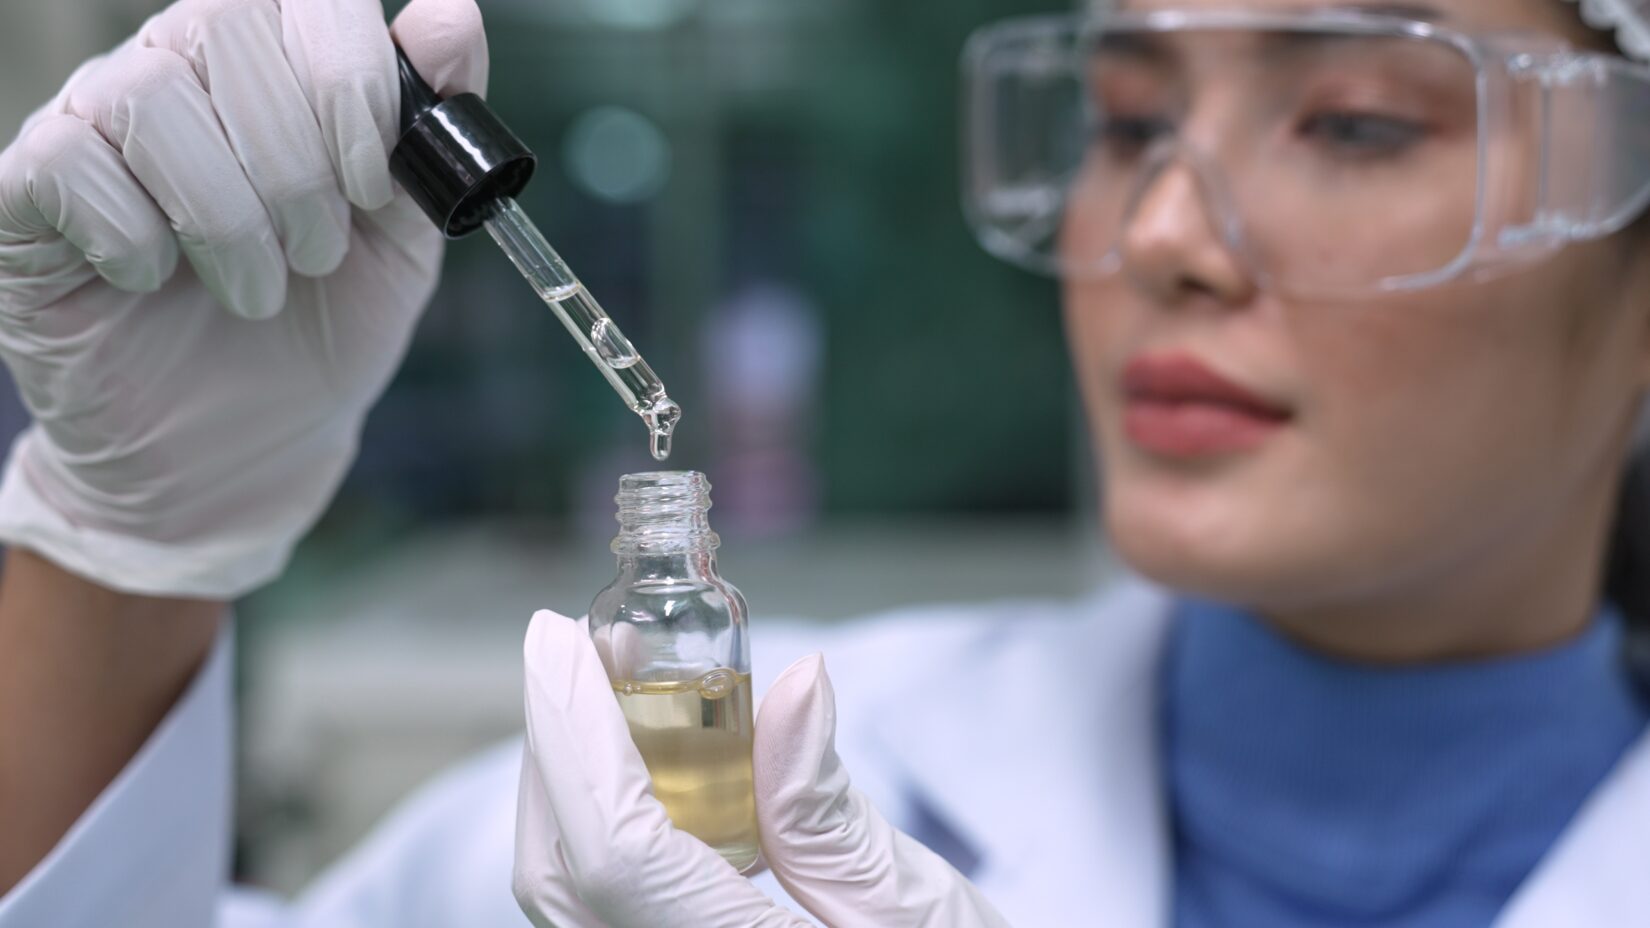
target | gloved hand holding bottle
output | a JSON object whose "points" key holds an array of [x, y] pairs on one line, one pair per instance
{"points": [[600, 842], [595, 849]]}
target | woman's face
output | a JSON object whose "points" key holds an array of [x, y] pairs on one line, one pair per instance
{"points": [[1419, 434]]}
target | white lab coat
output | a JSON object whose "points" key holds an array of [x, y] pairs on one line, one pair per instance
{"points": [[1019, 738]]}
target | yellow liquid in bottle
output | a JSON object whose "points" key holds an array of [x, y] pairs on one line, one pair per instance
{"points": [[695, 737]]}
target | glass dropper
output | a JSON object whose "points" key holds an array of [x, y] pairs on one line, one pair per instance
{"points": [[585, 320], [464, 167]]}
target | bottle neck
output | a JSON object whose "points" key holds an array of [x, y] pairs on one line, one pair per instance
{"points": [[663, 520]]}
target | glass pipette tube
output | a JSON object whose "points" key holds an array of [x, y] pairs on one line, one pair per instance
{"points": [[585, 320]]}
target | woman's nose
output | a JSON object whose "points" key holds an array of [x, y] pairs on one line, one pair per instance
{"points": [[1171, 245]]}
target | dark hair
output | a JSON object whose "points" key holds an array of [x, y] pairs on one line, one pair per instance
{"points": [[1627, 571]]}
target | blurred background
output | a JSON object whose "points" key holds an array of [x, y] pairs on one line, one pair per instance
{"points": [[764, 195]]}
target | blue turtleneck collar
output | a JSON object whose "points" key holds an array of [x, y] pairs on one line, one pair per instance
{"points": [[1307, 791]]}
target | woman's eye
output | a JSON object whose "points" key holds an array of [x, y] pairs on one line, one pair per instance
{"points": [[1363, 134], [1131, 135]]}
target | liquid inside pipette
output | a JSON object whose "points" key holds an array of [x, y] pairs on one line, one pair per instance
{"points": [[590, 326]]}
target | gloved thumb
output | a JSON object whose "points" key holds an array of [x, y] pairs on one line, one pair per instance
{"points": [[831, 850], [445, 41]]}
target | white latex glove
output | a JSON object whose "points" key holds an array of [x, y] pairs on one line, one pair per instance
{"points": [[594, 848], [193, 418]]}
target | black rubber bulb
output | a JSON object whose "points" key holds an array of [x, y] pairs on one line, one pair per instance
{"points": [[455, 156]]}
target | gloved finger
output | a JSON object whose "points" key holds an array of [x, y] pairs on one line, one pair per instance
{"points": [[62, 178], [446, 43], [627, 862], [235, 48], [340, 53], [150, 105], [540, 879], [830, 849]]}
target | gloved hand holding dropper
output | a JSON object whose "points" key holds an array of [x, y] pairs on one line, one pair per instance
{"points": [[207, 275]]}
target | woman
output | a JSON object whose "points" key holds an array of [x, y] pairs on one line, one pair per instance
{"points": [[1363, 330]]}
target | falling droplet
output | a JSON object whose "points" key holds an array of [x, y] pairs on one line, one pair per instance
{"points": [[615, 350], [661, 420]]}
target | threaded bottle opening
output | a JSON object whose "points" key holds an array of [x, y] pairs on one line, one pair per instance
{"points": [[664, 512]]}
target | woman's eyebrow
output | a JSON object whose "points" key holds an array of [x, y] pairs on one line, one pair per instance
{"points": [[1133, 45]]}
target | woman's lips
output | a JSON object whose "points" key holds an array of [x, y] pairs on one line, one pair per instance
{"points": [[1178, 406]]}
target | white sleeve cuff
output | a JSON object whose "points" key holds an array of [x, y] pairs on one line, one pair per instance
{"points": [[223, 570], [152, 851]]}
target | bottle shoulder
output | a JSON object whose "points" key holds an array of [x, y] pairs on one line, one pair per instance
{"points": [[703, 601]]}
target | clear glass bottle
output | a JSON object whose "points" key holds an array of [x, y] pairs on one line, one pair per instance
{"points": [[674, 638]]}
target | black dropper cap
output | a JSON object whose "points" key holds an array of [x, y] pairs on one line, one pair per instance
{"points": [[455, 156]]}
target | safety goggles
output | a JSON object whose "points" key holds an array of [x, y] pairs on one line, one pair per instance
{"points": [[1334, 154]]}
